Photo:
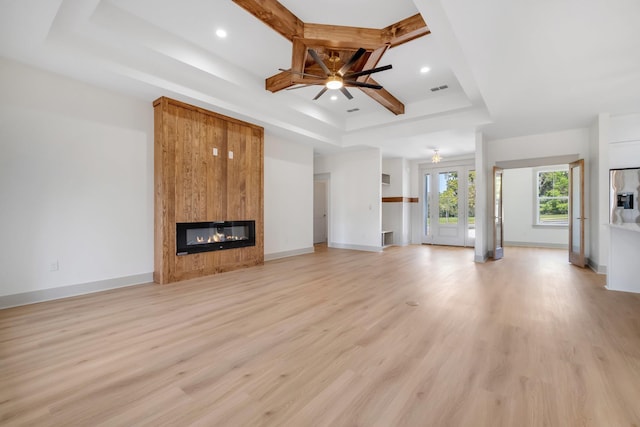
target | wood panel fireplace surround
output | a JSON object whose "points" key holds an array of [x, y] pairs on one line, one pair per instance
{"points": [[208, 192]]}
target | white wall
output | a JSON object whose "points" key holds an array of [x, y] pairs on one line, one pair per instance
{"points": [[396, 215], [416, 208], [599, 183], [624, 152], [76, 182], [354, 198], [564, 143], [395, 168], [519, 213], [76, 187], [482, 178], [288, 197]]}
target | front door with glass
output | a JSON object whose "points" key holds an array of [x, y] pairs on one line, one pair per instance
{"points": [[447, 206]]}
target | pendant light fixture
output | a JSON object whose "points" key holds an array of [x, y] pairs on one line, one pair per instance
{"points": [[436, 157]]}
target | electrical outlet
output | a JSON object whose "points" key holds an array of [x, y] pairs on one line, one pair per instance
{"points": [[54, 266], [231, 154], [215, 151]]}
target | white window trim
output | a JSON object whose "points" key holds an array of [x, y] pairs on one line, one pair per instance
{"points": [[536, 200]]}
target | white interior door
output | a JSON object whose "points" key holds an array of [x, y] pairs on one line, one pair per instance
{"points": [[319, 211]]}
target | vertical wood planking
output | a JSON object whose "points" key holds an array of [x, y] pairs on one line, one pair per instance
{"points": [[193, 185]]}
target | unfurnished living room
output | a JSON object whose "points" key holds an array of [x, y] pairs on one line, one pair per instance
{"points": [[338, 213]]}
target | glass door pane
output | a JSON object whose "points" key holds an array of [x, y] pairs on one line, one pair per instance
{"points": [[448, 198], [427, 205], [576, 213], [471, 207], [575, 198], [498, 231]]}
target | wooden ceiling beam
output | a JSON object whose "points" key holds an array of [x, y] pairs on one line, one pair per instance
{"points": [[308, 81], [406, 30], [278, 82], [275, 15], [333, 37], [372, 61], [384, 98], [298, 55], [338, 36]]}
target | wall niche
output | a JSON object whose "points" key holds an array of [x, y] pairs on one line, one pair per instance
{"points": [[208, 168]]}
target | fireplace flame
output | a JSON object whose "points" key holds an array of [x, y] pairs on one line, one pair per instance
{"points": [[217, 238]]}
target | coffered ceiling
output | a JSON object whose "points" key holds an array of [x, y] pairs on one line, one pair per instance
{"points": [[510, 68]]}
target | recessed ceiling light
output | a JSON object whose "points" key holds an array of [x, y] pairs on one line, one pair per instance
{"points": [[425, 70], [221, 33], [333, 97]]}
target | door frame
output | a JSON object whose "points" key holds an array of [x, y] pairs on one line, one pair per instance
{"points": [[463, 168], [567, 159], [326, 178]]}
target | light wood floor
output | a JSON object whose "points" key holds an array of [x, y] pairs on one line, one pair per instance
{"points": [[328, 339]]}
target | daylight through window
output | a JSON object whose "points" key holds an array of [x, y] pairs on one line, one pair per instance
{"points": [[553, 197]]}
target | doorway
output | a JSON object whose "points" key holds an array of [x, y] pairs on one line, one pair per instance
{"points": [[448, 208], [539, 206], [320, 209]]}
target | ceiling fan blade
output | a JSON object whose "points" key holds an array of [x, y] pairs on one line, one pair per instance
{"points": [[367, 72], [346, 67], [319, 61], [302, 74], [324, 89], [360, 84], [346, 92]]}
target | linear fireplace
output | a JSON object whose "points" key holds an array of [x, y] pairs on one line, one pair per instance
{"points": [[196, 237]]}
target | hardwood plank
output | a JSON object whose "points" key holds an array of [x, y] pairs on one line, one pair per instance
{"points": [[328, 339]]}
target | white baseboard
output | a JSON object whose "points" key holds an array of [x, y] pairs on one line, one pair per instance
{"points": [[481, 258], [73, 290], [538, 245], [355, 247], [598, 268], [286, 254]]}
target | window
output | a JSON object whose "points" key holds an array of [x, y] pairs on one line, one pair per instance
{"points": [[552, 201]]}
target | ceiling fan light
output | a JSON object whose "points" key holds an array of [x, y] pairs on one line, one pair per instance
{"points": [[334, 82]]}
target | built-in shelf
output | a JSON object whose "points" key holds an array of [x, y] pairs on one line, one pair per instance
{"points": [[387, 238]]}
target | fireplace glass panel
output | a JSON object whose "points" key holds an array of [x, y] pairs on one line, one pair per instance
{"points": [[194, 237], [202, 236]]}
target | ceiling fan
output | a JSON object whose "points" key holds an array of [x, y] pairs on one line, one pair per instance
{"points": [[340, 78]]}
